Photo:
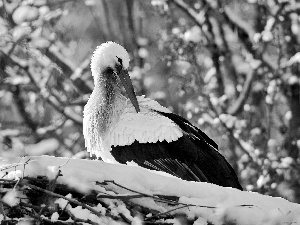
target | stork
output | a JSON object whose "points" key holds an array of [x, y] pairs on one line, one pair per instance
{"points": [[121, 130]]}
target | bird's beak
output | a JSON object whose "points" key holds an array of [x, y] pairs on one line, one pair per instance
{"points": [[125, 79]]}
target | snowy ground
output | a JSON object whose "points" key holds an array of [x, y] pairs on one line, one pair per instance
{"points": [[210, 203]]}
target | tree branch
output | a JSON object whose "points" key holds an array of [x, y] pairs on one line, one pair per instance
{"points": [[237, 107], [16, 91], [68, 69], [67, 112]]}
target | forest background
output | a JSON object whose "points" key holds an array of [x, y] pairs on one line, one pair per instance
{"points": [[230, 67]]}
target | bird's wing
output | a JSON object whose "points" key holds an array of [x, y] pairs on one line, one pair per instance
{"points": [[208, 150], [191, 156], [143, 127]]}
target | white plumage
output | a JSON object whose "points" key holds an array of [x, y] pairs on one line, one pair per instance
{"points": [[127, 126], [146, 126], [105, 56]]}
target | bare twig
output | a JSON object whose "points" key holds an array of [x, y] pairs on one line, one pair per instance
{"points": [[39, 219], [237, 107], [160, 199], [55, 56], [2, 210], [107, 20], [16, 91], [15, 165], [130, 19], [158, 216], [77, 75], [145, 195], [122, 197], [23, 183]]}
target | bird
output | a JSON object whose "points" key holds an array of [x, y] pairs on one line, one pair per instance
{"points": [[120, 127]]}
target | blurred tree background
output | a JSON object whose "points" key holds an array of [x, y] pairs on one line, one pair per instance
{"points": [[231, 67]]}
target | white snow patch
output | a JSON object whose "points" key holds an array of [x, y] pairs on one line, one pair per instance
{"points": [[100, 209], [80, 213], [200, 221], [137, 221], [294, 59], [193, 34], [63, 202], [54, 216], [298, 144], [143, 53], [131, 163], [10, 198], [293, 80], [286, 162], [173, 221], [14, 175], [69, 220], [52, 172]]}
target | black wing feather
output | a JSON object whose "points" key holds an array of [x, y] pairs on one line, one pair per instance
{"points": [[186, 126], [193, 157]]}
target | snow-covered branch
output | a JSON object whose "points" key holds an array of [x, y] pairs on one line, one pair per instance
{"points": [[95, 192]]}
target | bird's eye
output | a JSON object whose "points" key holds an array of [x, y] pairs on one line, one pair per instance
{"points": [[120, 61]]}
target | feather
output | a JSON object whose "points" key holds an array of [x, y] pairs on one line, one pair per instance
{"points": [[146, 126]]}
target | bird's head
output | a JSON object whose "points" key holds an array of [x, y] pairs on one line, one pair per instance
{"points": [[111, 59]]}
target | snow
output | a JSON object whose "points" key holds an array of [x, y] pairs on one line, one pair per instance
{"points": [[54, 216], [62, 202], [100, 209], [293, 80], [80, 212], [206, 202], [228, 119], [200, 221], [143, 53], [295, 58], [14, 175], [10, 198], [287, 117], [137, 221], [193, 34], [52, 172], [286, 162]]}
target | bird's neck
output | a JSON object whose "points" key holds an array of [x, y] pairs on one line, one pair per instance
{"points": [[110, 103]]}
